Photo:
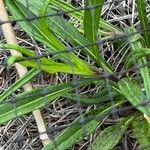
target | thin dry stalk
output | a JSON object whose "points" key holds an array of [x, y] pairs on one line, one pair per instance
{"points": [[11, 39]]}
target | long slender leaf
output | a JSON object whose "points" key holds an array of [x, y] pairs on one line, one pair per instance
{"points": [[59, 67], [91, 25], [137, 47], [45, 64], [34, 99], [140, 54], [141, 8], [19, 83], [96, 99]]}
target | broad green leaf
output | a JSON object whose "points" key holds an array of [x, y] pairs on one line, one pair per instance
{"points": [[19, 83], [144, 22], [108, 138], [135, 95], [29, 101], [74, 132], [141, 132]]}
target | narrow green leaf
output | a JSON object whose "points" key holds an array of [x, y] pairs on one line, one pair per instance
{"points": [[72, 135], [137, 47], [19, 83], [20, 49], [58, 67], [99, 98], [29, 101], [91, 20], [144, 22], [91, 25], [140, 54], [47, 65]]}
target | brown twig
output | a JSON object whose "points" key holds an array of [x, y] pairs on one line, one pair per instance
{"points": [[11, 39]]}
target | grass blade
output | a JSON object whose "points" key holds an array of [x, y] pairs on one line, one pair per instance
{"points": [[91, 22], [74, 132], [91, 26], [144, 22], [55, 67], [46, 64], [137, 47], [19, 83], [35, 99]]}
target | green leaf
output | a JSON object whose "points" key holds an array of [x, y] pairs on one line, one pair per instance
{"points": [[45, 64], [49, 39], [71, 135], [91, 21], [20, 49], [19, 83], [74, 132], [66, 7], [136, 48], [144, 22], [12, 59], [55, 67], [29, 101], [91, 25], [98, 98], [108, 138], [134, 94], [57, 24], [141, 132]]}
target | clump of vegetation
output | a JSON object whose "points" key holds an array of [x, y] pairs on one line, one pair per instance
{"points": [[74, 40]]}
